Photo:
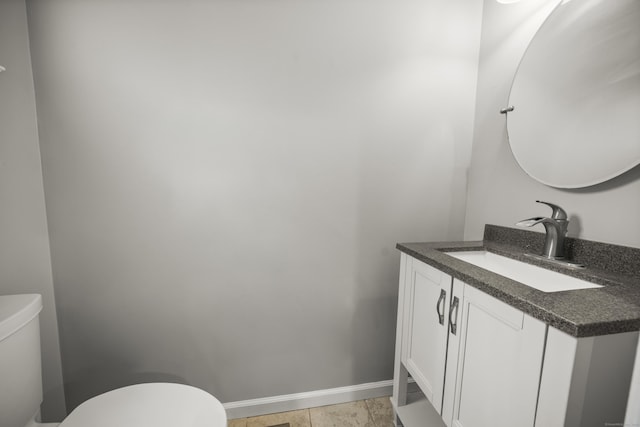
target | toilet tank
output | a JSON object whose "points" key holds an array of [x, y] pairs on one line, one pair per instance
{"points": [[20, 365]]}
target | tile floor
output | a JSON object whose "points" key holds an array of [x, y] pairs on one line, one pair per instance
{"points": [[362, 413]]}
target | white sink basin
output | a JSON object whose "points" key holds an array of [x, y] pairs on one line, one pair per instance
{"points": [[530, 275]]}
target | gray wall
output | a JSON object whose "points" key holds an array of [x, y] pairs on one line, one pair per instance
{"points": [[226, 182], [499, 191], [25, 264]]}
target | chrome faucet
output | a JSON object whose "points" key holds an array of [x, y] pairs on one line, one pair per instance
{"points": [[556, 228]]}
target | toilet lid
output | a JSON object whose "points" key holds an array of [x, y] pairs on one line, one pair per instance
{"points": [[149, 405]]}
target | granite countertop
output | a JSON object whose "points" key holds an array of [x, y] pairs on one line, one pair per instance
{"points": [[613, 308]]}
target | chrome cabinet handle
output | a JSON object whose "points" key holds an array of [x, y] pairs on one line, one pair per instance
{"points": [[453, 320], [443, 295]]}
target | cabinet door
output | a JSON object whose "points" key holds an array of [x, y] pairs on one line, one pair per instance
{"points": [[499, 364], [424, 356]]}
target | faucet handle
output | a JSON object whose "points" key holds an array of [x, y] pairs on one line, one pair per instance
{"points": [[558, 213]]}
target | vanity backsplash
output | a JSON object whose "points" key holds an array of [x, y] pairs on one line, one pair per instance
{"points": [[600, 256]]}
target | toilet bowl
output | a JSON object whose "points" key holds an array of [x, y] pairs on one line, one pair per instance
{"points": [[140, 405], [152, 404]]}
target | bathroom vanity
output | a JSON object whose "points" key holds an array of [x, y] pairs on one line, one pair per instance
{"points": [[487, 350]]}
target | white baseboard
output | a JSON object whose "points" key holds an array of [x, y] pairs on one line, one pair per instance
{"points": [[310, 399]]}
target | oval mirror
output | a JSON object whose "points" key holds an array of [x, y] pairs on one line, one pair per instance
{"points": [[576, 95]]}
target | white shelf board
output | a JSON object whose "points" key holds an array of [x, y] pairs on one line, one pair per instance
{"points": [[419, 413]]}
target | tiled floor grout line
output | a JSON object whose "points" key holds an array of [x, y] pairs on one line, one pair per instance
{"points": [[373, 420]]}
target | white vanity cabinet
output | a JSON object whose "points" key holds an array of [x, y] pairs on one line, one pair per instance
{"points": [[476, 359], [482, 363]]}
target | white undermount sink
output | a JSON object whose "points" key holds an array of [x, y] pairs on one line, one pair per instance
{"points": [[528, 274]]}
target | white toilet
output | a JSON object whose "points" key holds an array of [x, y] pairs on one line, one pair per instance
{"points": [[141, 405]]}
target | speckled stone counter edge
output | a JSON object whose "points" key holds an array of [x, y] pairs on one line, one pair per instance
{"points": [[615, 308]]}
